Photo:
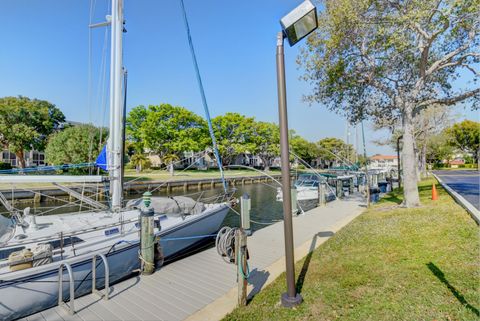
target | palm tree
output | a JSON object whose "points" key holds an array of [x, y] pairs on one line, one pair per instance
{"points": [[170, 159], [140, 161]]}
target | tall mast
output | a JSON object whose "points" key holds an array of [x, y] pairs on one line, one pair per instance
{"points": [[116, 106]]}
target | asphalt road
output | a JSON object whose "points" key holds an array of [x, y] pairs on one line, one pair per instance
{"points": [[465, 183]]}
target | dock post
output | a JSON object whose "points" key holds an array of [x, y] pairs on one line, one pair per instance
{"points": [[37, 198], [147, 236], [322, 201], [338, 185], [241, 260], [293, 192]]}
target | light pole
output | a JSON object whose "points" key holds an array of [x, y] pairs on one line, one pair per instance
{"points": [[398, 161], [296, 25]]}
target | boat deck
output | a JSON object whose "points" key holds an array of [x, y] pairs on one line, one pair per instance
{"points": [[199, 285]]}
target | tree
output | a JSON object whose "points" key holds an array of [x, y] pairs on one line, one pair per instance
{"points": [[165, 129], [466, 137], [26, 123], [266, 142], [438, 148], [389, 59], [140, 161], [234, 134], [75, 145], [306, 150], [335, 149]]}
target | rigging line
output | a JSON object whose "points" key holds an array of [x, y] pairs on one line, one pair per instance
{"points": [[315, 171], [89, 85], [204, 99], [102, 91]]}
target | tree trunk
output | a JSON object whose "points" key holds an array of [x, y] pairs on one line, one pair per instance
{"points": [[171, 169], [20, 159], [410, 189]]}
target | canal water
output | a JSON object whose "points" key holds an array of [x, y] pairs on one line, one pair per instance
{"points": [[265, 209]]}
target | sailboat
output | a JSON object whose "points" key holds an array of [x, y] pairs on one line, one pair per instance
{"points": [[98, 247]]}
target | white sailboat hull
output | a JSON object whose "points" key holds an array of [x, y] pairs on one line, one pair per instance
{"points": [[32, 290]]}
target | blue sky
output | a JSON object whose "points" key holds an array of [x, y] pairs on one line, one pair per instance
{"points": [[45, 54]]}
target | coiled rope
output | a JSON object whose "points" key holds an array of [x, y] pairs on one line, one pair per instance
{"points": [[225, 244]]}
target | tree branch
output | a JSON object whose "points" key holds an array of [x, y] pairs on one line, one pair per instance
{"points": [[450, 100], [437, 64]]}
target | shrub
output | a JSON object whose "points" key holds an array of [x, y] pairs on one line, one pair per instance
{"points": [[5, 166]]}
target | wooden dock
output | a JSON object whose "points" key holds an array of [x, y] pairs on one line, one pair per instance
{"points": [[203, 286]]}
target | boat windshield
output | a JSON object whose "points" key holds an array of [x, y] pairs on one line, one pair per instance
{"points": [[309, 180], [7, 226]]}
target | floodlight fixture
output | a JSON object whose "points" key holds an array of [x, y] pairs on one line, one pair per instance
{"points": [[300, 22]]}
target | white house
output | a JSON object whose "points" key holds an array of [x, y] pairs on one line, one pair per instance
{"points": [[383, 162], [32, 158]]}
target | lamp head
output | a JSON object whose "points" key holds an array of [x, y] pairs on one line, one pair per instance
{"points": [[299, 22]]}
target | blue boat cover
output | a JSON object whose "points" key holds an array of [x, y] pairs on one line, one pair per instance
{"points": [[102, 159]]}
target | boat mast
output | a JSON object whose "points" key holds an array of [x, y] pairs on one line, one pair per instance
{"points": [[116, 106]]}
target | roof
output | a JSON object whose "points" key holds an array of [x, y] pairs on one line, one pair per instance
{"points": [[382, 157]]}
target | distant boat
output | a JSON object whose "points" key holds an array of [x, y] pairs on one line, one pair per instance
{"points": [[33, 248], [307, 188]]}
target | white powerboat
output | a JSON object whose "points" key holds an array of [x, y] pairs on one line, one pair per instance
{"points": [[307, 188]]}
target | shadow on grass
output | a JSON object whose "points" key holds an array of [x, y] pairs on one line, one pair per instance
{"points": [[439, 274], [257, 279], [390, 198], [306, 263]]}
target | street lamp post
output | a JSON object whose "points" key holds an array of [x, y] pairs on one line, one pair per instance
{"points": [[398, 161], [296, 25]]}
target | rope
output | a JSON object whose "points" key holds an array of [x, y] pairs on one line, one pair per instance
{"points": [[253, 221], [187, 237], [45, 168], [225, 243], [204, 99]]}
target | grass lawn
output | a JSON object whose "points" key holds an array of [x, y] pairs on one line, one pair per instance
{"points": [[390, 263]]}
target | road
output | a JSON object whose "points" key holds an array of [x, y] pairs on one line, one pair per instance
{"points": [[465, 183]]}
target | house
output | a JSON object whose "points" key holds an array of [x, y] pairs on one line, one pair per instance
{"points": [[387, 162], [32, 158], [456, 162]]}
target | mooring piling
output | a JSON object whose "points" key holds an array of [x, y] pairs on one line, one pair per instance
{"points": [[147, 236]]}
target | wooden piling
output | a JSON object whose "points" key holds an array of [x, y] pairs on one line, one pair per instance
{"points": [[37, 197], [241, 260]]}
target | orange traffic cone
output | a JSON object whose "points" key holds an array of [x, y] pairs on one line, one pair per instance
{"points": [[434, 193]]}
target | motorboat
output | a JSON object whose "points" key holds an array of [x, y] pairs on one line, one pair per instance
{"points": [[307, 186]]}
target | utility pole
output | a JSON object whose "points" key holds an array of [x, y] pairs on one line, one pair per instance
{"points": [[366, 166]]}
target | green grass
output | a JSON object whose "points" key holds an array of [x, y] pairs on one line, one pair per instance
{"points": [[390, 263]]}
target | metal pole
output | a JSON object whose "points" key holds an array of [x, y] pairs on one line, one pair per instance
{"points": [[398, 161], [115, 183], [291, 298], [366, 167]]}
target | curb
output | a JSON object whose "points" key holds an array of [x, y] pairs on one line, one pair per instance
{"points": [[474, 213]]}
